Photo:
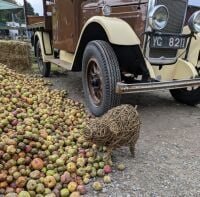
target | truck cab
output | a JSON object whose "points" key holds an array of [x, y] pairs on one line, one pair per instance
{"points": [[121, 46]]}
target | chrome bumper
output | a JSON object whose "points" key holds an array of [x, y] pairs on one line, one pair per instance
{"points": [[123, 88]]}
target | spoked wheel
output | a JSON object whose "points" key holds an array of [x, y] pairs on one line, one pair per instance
{"points": [[44, 67], [95, 81], [100, 74]]}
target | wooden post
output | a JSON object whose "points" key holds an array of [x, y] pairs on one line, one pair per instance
{"points": [[26, 16], [45, 12]]}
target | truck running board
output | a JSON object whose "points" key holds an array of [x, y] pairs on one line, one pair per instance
{"points": [[123, 88], [61, 63]]}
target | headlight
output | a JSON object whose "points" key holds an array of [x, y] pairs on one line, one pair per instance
{"points": [[158, 17], [194, 22], [106, 9]]}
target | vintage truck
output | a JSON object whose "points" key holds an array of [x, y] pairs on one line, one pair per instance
{"points": [[121, 47]]}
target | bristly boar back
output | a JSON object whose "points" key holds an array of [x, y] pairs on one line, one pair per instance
{"points": [[119, 127]]}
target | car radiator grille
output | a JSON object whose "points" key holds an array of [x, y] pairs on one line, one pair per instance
{"points": [[177, 11]]}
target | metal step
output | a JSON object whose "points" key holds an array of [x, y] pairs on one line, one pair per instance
{"points": [[123, 88], [61, 63]]}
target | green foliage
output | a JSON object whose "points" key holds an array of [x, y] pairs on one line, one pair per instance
{"points": [[30, 10]]}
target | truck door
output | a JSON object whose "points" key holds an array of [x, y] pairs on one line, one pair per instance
{"points": [[65, 25]]}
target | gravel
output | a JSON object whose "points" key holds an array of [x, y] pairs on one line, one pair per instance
{"points": [[167, 159]]}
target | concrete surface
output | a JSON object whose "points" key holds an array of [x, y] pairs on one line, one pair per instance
{"points": [[167, 160]]}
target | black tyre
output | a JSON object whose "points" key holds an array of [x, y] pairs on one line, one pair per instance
{"points": [[100, 74], [44, 67], [187, 97]]}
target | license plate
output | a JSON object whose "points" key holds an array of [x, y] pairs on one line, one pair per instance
{"points": [[174, 42]]}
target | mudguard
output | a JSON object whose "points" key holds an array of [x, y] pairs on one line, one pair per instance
{"points": [[45, 42], [181, 70], [194, 51], [118, 31]]}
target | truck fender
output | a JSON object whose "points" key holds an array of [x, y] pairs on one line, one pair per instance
{"points": [[114, 30], [45, 43], [194, 51], [184, 70], [118, 31], [181, 70]]}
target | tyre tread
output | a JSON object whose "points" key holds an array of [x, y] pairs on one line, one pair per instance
{"points": [[46, 65], [187, 97], [111, 72]]}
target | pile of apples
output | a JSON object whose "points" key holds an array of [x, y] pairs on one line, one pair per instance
{"points": [[42, 148]]}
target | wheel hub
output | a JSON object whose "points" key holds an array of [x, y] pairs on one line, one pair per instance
{"points": [[94, 80], [40, 60]]}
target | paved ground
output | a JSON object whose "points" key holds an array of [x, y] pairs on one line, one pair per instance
{"points": [[167, 160]]}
